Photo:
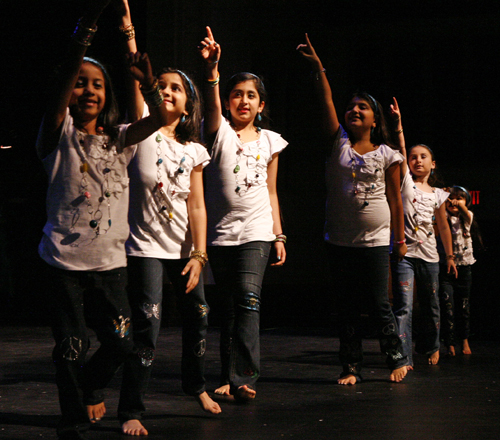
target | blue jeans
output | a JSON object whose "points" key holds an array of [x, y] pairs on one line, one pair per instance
{"points": [[238, 272], [361, 283], [146, 277], [426, 276], [454, 295], [97, 300]]}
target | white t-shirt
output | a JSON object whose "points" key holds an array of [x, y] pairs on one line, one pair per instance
{"points": [[420, 208], [462, 240], [152, 232], [237, 217], [76, 197], [357, 211]]}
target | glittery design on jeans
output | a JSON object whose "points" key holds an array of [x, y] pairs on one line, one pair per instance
{"points": [[147, 356], [203, 310], [122, 328], [151, 310], [200, 348], [251, 302], [71, 348]]}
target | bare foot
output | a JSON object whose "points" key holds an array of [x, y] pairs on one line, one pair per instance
{"points": [[350, 379], [398, 374], [244, 393], [96, 412], [208, 404], [465, 347], [223, 390], [409, 368], [434, 358], [451, 350], [134, 427]]}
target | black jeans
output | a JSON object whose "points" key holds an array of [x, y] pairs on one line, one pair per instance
{"points": [[146, 294], [454, 296], [238, 272], [97, 300], [361, 281]]}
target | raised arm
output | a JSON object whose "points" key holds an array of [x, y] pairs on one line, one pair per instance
{"points": [[63, 89], [210, 53], [398, 128], [140, 68], [330, 120], [135, 100]]}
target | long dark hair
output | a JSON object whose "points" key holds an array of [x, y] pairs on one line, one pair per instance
{"points": [[189, 129], [261, 90], [380, 133], [109, 116]]}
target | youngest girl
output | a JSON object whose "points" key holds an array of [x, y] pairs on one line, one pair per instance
{"points": [[455, 319]]}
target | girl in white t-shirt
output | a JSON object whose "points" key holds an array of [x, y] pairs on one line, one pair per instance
{"points": [[85, 154], [363, 200], [243, 214], [424, 207], [168, 225], [454, 292]]}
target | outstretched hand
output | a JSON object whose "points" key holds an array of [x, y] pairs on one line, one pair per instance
{"points": [[209, 49], [308, 52], [140, 68], [395, 112]]}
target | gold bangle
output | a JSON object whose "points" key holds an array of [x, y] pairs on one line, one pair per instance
{"points": [[398, 131], [128, 31], [200, 256]]}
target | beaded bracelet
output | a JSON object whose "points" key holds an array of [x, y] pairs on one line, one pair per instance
{"points": [[401, 242], [317, 74], [214, 82], [200, 256], [450, 257], [280, 238], [128, 31], [83, 35], [153, 97]]}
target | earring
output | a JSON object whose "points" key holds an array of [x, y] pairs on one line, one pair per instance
{"points": [[183, 119], [432, 172], [259, 117]]}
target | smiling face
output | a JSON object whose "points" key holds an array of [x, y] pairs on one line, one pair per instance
{"points": [[244, 102], [359, 115], [89, 95], [420, 161], [174, 93]]}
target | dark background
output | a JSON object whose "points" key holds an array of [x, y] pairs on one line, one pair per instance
{"points": [[439, 58]]}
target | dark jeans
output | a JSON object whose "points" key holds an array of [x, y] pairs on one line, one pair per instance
{"points": [[404, 274], [454, 296], [97, 300], [361, 279], [146, 277], [238, 272]]}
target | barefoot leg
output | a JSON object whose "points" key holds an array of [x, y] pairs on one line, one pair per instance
{"points": [[244, 393], [451, 350], [398, 374], [465, 347], [350, 379], [434, 358], [223, 390], [134, 427], [96, 412], [207, 404]]}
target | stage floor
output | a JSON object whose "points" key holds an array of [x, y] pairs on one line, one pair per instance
{"points": [[297, 395]]}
